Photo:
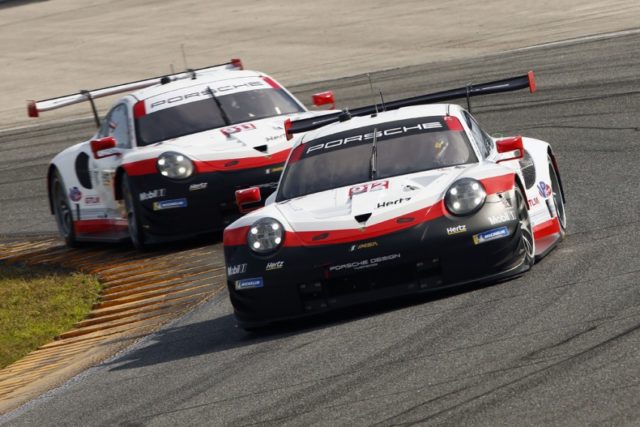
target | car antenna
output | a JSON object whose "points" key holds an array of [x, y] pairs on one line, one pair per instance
{"points": [[373, 166], [184, 59], [384, 106], [375, 104]]}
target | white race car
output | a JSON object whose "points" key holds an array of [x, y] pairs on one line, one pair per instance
{"points": [[398, 202], [167, 158]]}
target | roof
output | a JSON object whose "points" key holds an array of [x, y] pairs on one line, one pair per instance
{"points": [[203, 78], [382, 117]]}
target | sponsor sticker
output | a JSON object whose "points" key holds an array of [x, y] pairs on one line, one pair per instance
{"points": [[107, 178], [75, 194], [276, 265], [196, 187], [274, 170], [232, 270], [462, 228], [249, 283], [365, 263], [92, 200], [169, 204], [544, 189], [274, 138], [503, 217], [371, 186], [238, 128], [407, 127], [152, 194], [489, 235], [366, 245], [534, 201], [393, 202]]}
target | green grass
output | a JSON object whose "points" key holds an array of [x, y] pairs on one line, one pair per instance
{"points": [[38, 303]]}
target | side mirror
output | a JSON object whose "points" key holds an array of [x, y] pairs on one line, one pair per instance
{"points": [[510, 149], [102, 144], [324, 98], [248, 199]]}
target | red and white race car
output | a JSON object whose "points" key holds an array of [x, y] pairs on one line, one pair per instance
{"points": [[167, 158], [389, 200]]}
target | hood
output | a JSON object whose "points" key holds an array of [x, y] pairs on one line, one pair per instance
{"points": [[250, 139], [369, 204]]}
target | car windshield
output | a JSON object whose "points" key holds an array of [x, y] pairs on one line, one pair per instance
{"points": [[348, 158], [204, 113]]}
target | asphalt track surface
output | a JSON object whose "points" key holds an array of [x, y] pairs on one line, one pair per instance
{"points": [[558, 346]]}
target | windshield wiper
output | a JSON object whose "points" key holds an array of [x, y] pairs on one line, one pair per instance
{"points": [[373, 165], [223, 113]]}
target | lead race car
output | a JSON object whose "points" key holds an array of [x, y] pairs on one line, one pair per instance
{"points": [[403, 201], [167, 158]]}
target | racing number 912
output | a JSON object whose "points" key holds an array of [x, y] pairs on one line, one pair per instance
{"points": [[372, 186]]}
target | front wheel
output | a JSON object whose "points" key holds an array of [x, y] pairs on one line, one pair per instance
{"points": [[558, 199], [133, 218], [62, 210], [527, 242]]}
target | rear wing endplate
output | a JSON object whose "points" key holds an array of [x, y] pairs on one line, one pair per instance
{"points": [[34, 108], [471, 90]]}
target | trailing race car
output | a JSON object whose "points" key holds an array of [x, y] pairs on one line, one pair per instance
{"points": [[167, 159], [408, 200]]}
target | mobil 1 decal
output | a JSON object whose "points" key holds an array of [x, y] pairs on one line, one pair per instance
{"points": [[364, 135]]}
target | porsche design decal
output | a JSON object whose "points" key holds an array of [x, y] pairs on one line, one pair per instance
{"points": [[365, 263]]}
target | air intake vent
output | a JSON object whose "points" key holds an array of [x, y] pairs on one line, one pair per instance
{"points": [[261, 148], [363, 217]]}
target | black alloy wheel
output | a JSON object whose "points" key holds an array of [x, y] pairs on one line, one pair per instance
{"points": [[557, 198], [527, 241], [133, 219], [62, 210]]}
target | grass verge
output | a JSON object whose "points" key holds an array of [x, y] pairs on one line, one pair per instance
{"points": [[38, 303]]}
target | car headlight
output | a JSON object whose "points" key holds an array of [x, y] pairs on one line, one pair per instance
{"points": [[465, 196], [175, 165], [265, 235]]}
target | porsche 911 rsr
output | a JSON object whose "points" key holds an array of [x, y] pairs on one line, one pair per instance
{"points": [[405, 201], [167, 158]]}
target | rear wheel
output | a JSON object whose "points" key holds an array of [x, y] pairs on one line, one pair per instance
{"points": [[62, 210], [557, 198], [133, 218], [527, 243]]}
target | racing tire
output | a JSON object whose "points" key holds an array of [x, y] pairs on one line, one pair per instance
{"points": [[558, 199], [136, 233], [62, 210], [527, 242]]}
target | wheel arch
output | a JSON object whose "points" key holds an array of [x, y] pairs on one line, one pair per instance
{"points": [[557, 169], [518, 182], [117, 183], [52, 169]]}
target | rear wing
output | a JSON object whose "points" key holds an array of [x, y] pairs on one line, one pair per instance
{"points": [[498, 86], [34, 108]]}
